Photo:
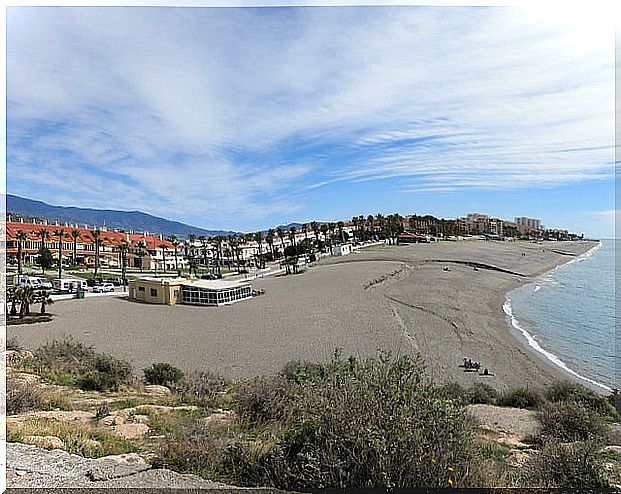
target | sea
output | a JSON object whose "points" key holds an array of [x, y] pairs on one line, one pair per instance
{"points": [[568, 316]]}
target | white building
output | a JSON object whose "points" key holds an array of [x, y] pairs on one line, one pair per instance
{"points": [[341, 249]]}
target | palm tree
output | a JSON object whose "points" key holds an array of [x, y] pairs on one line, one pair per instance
{"points": [[21, 238], [292, 231], [269, 238], [13, 295], [324, 232], [43, 297], [163, 247], [281, 234], [315, 227], [44, 235], [123, 248], [27, 297], [340, 225], [175, 241], [259, 238], [203, 241], [96, 234], [60, 233], [140, 252], [75, 234]]}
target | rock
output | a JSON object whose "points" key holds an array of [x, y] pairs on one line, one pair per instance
{"points": [[14, 357], [157, 390], [130, 431], [518, 457], [614, 449], [512, 424], [25, 377], [614, 434], [219, 417], [117, 466], [46, 442], [74, 416]]}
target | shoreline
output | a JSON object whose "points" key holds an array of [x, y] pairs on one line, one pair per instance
{"points": [[441, 301], [528, 341]]}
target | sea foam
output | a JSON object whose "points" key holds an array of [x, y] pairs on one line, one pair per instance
{"points": [[534, 344]]}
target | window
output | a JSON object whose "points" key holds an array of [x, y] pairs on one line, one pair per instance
{"points": [[176, 293], [141, 288], [154, 292]]}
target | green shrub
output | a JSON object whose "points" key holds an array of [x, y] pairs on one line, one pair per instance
{"points": [[523, 397], [568, 422], [193, 449], [452, 391], [481, 393], [68, 363], [263, 399], [21, 397], [573, 392], [377, 423], [299, 372], [577, 465], [202, 389], [162, 374]]}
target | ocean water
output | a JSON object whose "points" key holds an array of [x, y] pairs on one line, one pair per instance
{"points": [[568, 316]]}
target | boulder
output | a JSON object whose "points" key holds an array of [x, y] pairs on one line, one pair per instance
{"points": [[46, 442], [117, 466], [130, 431], [157, 390]]}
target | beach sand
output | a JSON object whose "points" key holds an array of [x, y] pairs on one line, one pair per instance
{"points": [[392, 298]]}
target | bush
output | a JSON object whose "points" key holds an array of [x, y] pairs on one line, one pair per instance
{"points": [[25, 397], [202, 389], [561, 391], [162, 374], [569, 422], [481, 393], [377, 423], [452, 391], [193, 449], [263, 399], [520, 398], [21, 397], [69, 363], [299, 372], [566, 465]]}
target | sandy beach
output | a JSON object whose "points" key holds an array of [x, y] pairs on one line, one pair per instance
{"points": [[395, 298]]}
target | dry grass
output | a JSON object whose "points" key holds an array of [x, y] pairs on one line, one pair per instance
{"points": [[79, 439]]}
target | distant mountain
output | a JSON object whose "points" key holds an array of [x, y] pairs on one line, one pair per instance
{"points": [[122, 220]]}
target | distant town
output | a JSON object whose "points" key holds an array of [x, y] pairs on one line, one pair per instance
{"points": [[93, 246]]}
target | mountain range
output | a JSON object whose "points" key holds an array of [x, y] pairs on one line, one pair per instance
{"points": [[112, 219]]}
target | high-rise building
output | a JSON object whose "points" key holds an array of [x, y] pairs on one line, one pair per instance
{"points": [[529, 223]]}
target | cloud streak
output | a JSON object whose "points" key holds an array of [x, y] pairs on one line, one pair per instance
{"points": [[233, 117]]}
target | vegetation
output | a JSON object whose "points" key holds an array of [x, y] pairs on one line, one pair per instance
{"points": [[71, 363], [45, 259], [346, 423], [162, 374], [568, 421], [523, 397]]}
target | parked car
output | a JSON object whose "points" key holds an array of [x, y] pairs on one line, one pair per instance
{"points": [[69, 285], [45, 283], [27, 281], [104, 287], [209, 276]]}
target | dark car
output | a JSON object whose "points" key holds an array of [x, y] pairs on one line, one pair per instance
{"points": [[209, 276]]}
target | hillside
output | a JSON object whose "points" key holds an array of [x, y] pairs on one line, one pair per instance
{"points": [[123, 220]]}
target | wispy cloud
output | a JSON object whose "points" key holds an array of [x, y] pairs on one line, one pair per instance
{"points": [[233, 116]]}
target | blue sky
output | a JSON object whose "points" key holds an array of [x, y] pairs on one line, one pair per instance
{"points": [[247, 118]]}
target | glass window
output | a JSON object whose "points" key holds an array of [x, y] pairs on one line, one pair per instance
{"points": [[153, 292]]}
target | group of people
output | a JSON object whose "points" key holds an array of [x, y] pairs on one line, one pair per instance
{"points": [[470, 364]]}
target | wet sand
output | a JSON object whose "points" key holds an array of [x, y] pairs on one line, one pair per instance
{"points": [[393, 298]]}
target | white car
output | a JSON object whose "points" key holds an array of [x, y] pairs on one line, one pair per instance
{"points": [[104, 287], [45, 283]]}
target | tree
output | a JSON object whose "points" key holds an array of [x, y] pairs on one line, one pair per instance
{"points": [[292, 232], [123, 248], [163, 247], [75, 234], [269, 238], [13, 295], [43, 235], [45, 258], [21, 238], [27, 297], [140, 252], [96, 234], [259, 238], [175, 241], [60, 233], [43, 297], [315, 228], [281, 235]]}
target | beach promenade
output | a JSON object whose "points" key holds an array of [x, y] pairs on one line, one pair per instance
{"points": [[441, 300]]}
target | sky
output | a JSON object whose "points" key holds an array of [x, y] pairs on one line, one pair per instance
{"points": [[247, 118]]}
